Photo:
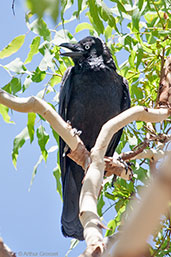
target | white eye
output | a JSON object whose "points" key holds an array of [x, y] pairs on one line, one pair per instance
{"points": [[87, 47]]}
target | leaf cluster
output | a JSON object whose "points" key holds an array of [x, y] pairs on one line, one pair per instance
{"points": [[138, 34]]}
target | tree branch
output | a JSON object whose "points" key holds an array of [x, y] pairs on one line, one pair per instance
{"points": [[5, 251], [37, 105], [78, 152], [146, 214], [94, 177], [93, 180]]}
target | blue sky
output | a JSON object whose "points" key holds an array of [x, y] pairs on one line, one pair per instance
{"points": [[29, 221]]}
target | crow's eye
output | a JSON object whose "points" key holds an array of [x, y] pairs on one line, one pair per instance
{"points": [[87, 47]]}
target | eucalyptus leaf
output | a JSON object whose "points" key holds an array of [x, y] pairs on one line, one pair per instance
{"points": [[34, 49], [18, 143], [4, 112], [16, 66], [57, 175], [50, 7], [83, 26], [12, 47], [43, 138], [30, 125]]}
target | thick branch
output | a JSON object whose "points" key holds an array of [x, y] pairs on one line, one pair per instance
{"points": [[37, 105], [93, 180], [146, 214], [164, 92], [5, 251], [78, 151]]}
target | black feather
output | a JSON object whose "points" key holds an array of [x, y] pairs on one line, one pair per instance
{"points": [[92, 92]]}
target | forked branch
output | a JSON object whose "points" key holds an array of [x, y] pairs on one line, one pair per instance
{"points": [[94, 176]]}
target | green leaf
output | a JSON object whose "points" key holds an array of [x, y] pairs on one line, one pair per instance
{"points": [[136, 91], [61, 36], [4, 112], [120, 6], [47, 61], [135, 20], [98, 24], [18, 143], [13, 86], [108, 32], [57, 175], [40, 27], [56, 136], [100, 205], [107, 15], [35, 170], [34, 49], [119, 204], [79, 7], [43, 138], [65, 4], [132, 58], [38, 75], [132, 140], [112, 226], [54, 80], [150, 17], [50, 7], [82, 26], [140, 55], [50, 150], [27, 82], [142, 173], [16, 66], [140, 4], [122, 143], [12, 47], [73, 244], [139, 124], [30, 125]]}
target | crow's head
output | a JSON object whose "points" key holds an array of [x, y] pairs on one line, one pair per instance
{"points": [[89, 47]]}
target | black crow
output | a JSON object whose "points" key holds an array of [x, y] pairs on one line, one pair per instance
{"points": [[92, 92]]}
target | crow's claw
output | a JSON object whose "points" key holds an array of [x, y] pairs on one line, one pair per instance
{"points": [[113, 180], [66, 148], [76, 132], [123, 162]]}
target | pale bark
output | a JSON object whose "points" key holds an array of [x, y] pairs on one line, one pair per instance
{"points": [[5, 251], [94, 177], [37, 105], [145, 218]]}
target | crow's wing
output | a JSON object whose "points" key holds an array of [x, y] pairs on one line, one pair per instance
{"points": [[65, 93], [72, 174], [64, 97], [125, 104]]}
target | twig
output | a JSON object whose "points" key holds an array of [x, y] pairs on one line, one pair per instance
{"points": [[13, 7], [132, 154], [5, 251], [163, 25], [94, 176], [146, 215]]}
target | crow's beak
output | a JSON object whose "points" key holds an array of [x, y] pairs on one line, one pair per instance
{"points": [[75, 51]]}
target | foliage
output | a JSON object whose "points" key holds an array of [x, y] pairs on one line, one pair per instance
{"points": [[139, 30]]}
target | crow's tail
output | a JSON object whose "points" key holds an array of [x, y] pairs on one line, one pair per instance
{"points": [[72, 181]]}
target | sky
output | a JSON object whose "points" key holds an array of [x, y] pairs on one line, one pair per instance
{"points": [[29, 221]]}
